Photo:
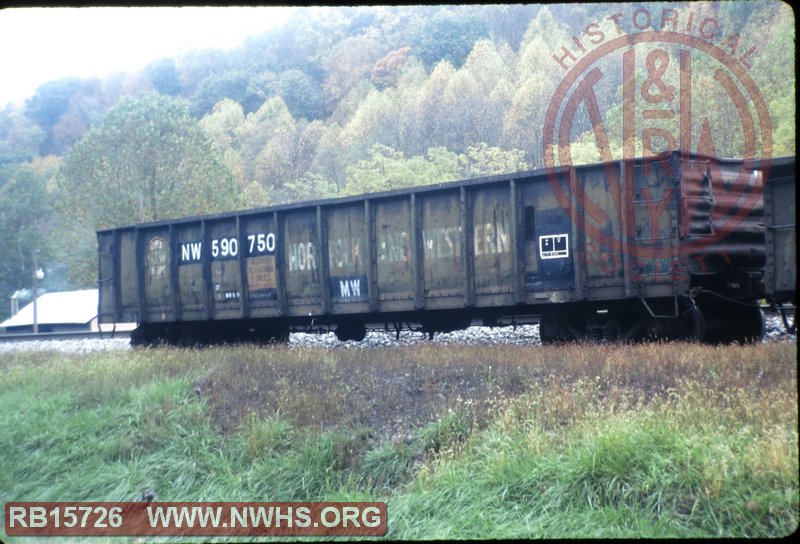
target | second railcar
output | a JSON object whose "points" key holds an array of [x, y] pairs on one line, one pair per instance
{"points": [[438, 258]]}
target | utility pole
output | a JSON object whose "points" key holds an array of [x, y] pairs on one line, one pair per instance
{"points": [[37, 275], [35, 288]]}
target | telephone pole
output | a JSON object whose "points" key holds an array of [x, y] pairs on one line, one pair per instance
{"points": [[37, 275]]}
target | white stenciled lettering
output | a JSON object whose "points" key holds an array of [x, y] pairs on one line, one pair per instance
{"points": [[301, 257], [345, 252], [442, 242], [261, 243], [224, 247], [350, 287], [191, 252], [492, 238], [394, 247]]}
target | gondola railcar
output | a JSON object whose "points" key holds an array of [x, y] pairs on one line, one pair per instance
{"points": [[639, 248]]}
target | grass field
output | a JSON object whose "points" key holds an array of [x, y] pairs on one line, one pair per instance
{"points": [[663, 440]]}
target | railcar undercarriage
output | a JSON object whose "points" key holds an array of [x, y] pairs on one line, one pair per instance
{"points": [[708, 317]]}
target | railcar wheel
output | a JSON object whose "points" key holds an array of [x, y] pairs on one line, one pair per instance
{"points": [[189, 338], [552, 330], [262, 333], [731, 321], [137, 338], [444, 323], [752, 325], [147, 335], [690, 325], [350, 331]]}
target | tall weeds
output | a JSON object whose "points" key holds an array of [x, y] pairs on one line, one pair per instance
{"points": [[671, 440]]}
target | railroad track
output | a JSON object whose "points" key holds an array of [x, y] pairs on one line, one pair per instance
{"points": [[80, 335], [776, 323]]}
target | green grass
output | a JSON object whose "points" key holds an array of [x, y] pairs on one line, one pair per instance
{"points": [[464, 442]]}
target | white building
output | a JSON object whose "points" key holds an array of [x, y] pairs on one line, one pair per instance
{"points": [[66, 311]]}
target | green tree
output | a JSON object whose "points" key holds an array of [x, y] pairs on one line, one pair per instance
{"points": [[164, 77], [484, 160], [388, 169], [232, 84], [448, 36], [197, 65], [460, 111], [328, 158], [148, 160], [260, 88], [221, 125], [20, 138], [375, 121], [775, 76], [310, 187], [48, 104], [301, 94], [51, 100], [507, 23], [26, 208], [287, 157]]}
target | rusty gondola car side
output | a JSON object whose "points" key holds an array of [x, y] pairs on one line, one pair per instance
{"points": [[440, 257]]}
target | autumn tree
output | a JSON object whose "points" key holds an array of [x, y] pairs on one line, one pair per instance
{"points": [[429, 117], [386, 71], [375, 121], [536, 80], [48, 104], [221, 126], [349, 62], [492, 69], [86, 107]]}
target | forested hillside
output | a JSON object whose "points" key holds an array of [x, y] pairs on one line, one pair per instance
{"points": [[337, 101]]}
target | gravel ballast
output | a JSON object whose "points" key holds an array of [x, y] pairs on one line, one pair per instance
{"points": [[520, 335]]}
